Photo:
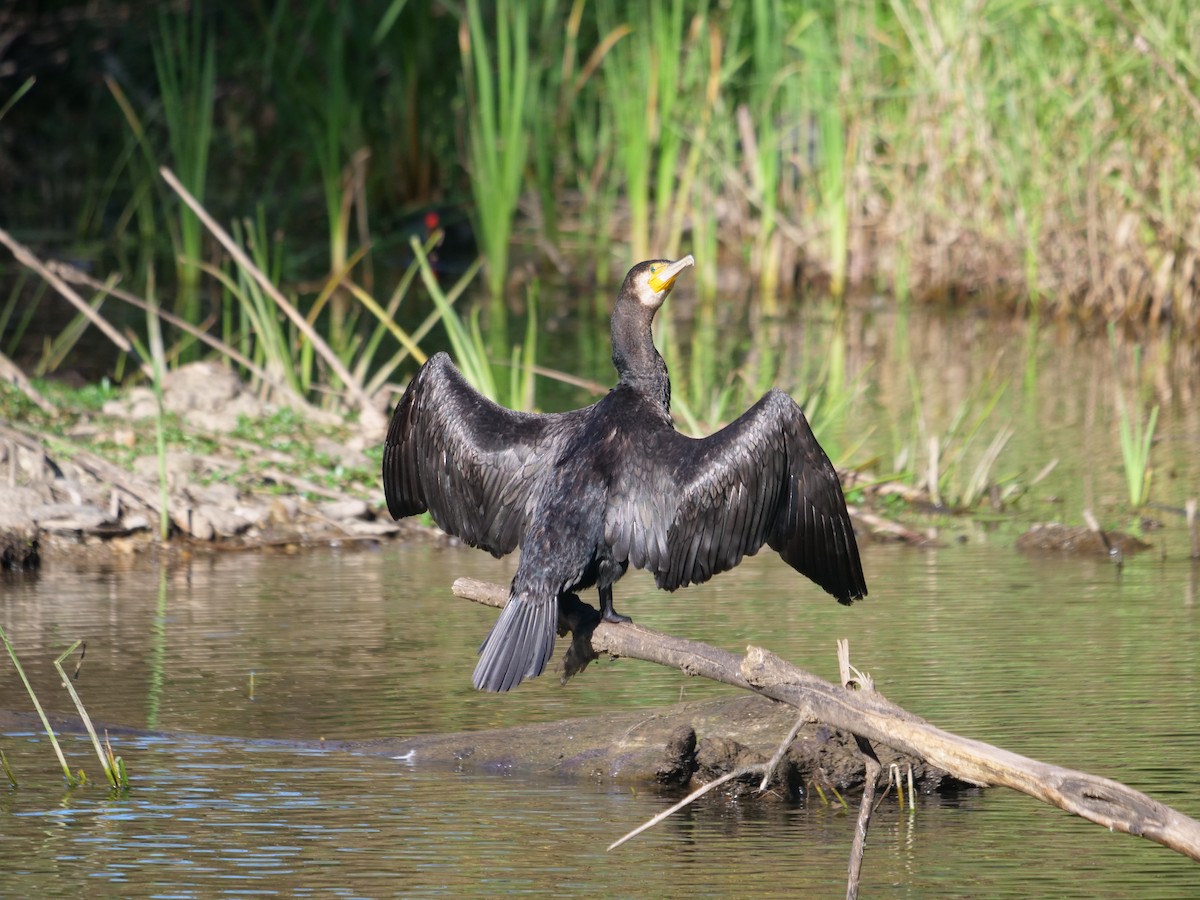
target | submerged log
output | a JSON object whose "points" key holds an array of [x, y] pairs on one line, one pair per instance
{"points": [[679, 748], [867, 714]]}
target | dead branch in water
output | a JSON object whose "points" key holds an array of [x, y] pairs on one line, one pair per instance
{"points": [[866, 714]]}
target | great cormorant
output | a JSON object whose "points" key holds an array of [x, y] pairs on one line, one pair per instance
{"points": [[587, 493]]}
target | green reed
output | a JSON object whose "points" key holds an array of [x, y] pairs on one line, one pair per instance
{"points": [[1037, 148], [185, 61], [337, 137], [627, 74], [655, 79], [158, 364], [1136, 433], [72, 780], [470, 347], [499, 99], [761, 125], [22, 89], [8, 772], [113, 765]]}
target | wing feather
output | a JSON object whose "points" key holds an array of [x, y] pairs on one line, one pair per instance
{"points": [[762, 480], [473, 464]]}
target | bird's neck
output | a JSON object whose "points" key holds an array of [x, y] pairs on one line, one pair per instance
{"points": [[634, 355]]}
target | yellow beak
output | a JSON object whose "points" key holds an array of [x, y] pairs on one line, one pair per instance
{"points": [[664, 280]]}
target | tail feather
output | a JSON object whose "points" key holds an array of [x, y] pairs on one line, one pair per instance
{"points": [[519, 645]]}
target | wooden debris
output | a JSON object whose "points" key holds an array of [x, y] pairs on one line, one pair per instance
{"points": [[867, 714]]}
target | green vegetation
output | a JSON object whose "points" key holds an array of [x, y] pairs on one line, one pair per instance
{"points": [[113, 765], [72, 780], [274, 187], [873, 144], [499, 105], [1137, 436]]}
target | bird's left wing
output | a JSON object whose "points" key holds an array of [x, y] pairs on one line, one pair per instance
{"points": [[763, 479], [472, 463]]}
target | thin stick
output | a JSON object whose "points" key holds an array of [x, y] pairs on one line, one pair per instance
{"points": [[26, 258], [694, 795], [239, 256], [1114, 553], [852, 678], [1116, 806], [11, 372], [767, 769], [774, 761], [864, 815]]}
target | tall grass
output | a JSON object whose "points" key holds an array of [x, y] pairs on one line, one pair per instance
{"points": [[1036, 149], [826, 133], [185, 60], [500, 93]]}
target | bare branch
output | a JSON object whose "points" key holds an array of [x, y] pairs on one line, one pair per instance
{"points": [[869, 715]]}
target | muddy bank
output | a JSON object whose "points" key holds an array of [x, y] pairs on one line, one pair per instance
{"points": [[238, 473], [243, 473]]}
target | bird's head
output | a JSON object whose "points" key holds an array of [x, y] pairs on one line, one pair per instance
{"points": [[649, 282]]}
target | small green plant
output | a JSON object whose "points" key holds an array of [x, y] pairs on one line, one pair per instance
{"points": [[113, 766], [1137, 436]]}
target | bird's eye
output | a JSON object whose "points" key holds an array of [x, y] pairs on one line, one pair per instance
{"points": [[653, 269]]}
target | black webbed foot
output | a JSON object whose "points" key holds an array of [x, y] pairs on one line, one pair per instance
{"points": [[607, 613], [575, 616], [580, 620]]}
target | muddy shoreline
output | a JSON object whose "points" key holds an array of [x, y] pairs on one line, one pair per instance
{"points": [[243, 474]]}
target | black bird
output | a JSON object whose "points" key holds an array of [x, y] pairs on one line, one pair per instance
{"points": [[587, 493]]}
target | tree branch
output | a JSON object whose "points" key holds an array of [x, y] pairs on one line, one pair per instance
{"points": [[868, 715]]}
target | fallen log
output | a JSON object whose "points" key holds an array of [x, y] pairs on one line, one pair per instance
{"points": [[868, 715], [677, 748]]}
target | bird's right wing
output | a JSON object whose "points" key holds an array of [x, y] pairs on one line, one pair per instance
{"points": [[473, 464], [763, 479]]}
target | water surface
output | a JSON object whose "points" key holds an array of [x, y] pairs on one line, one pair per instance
{"points": [[240, 664], [1073, 662]]}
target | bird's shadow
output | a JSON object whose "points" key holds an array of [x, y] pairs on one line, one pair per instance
{"points": [[580, 620]]}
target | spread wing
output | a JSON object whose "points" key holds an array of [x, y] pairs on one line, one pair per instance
{"points": [[474, 465], [763, 479]]}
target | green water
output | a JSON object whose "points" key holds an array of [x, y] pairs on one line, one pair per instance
{"points": [[1073, 662]]}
